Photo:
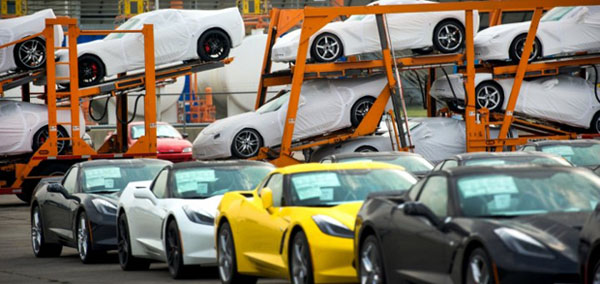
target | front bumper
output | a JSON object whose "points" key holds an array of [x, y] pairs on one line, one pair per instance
{"points": [[198, 243], [104, 233], [332, 260], [175, 157], [206, 147]]}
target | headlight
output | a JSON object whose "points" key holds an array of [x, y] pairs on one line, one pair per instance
{"points": [[187, 150], [522, 243], [333, 227], [105, 207], [199, 216]]}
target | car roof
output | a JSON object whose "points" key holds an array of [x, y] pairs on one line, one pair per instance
{"points": [[223, 163], [480, 155], [519, 168], [371, 154], [122, 162], [564, 142], [314, 167]]}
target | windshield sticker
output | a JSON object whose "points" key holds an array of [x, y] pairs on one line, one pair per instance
{"points": [[486, 162], [316, 180], [109, 183], [477, 186], [102, 172], [501, 201], [560, 150], [308, 192], [195, 176], [326, 194], [93, 182]]}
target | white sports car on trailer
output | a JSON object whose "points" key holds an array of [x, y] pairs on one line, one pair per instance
{"points": [[171, 219], [178, 35], [445, 31], [29, 54], [24, 127], [562, 30], [324, 106], [563, 99]]}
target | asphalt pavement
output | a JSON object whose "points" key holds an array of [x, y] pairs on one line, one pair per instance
{"points": [[19, 265]]}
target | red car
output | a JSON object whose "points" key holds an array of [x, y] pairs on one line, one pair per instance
{"points": [[170, 144]]}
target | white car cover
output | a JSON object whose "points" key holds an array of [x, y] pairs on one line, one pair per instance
{"points": [[359, 33], [435, 138], [564, 99], [145, 221], [20, 122], [20, 27], [324, 106], [561, 30], [176, 33]]}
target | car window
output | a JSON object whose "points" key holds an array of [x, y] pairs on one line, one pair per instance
{"points": [[70, 182], [274, 104], [414, 190], [435, 195], [160, 185], [131, 24], [450, 164], [275, 183]]}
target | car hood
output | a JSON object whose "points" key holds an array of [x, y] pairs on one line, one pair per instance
{"points": [[228, 122], [166, 145], [502, 30], [208, 205], [113, 198], [345, 213]]}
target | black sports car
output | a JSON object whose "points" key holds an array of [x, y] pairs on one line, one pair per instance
{"points": [[80, 211], [502, 158], [411, 162], [502, 224], [581, 153]]}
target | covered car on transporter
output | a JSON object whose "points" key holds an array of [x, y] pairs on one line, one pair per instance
{"points": [[172, 218], [324, 106], [29, 54], [445, 31], [178, 35]]}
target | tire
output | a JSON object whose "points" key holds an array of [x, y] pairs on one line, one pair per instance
{"points": [[478, 259], [213, 45], [30, 54], [360, 109], [364, 149], [595, 123], [38, 242], [370, 265], [594, 275], [515, 49], [226, 259], [174, 252], [449, 36], [127, 261], [246, 143], [91, 70], [326, 47], [40, 137], [84, 243], [489, 94], [300, 262]]}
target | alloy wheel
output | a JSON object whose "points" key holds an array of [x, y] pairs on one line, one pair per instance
{"points": [[82, 237], [370, 269], [32, 53], [596, 279], [247, 143], [89, 71], [172, 250], [214, 46], [299, 262], [520, 46], [327, 48], [225, 256], [488, 97], [478, 272], [450, 36], [362, 109], [36, 231]]}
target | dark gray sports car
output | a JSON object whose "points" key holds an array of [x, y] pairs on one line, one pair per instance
{"points": [[502, 224], [80, 210]]}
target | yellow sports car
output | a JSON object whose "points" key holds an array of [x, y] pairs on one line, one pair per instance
{"points": [[298, 223]]}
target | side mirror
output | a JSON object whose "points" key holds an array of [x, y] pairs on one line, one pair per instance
{"points": [[266, 195], [419, 209], [185, 135], [57, 188], [144, 193]]}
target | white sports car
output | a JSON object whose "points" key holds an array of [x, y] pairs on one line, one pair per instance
{"points": [[24, 127], [562, 30], [29, 54], [178, 35], [171, 219], [358, 34], [563, 99], [324, 106]]}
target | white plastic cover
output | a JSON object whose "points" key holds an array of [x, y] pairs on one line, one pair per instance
{"points": [[13, 127]]}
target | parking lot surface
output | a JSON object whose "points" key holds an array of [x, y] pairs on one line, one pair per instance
{"points": [[18, 265]]}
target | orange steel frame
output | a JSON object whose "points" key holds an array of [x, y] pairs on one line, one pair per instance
{"points": [[477, 122]]}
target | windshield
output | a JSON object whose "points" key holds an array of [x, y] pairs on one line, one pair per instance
{"points": [[494, 161], [203, 182], [328, 188], [131, 24], [114, 178], [409, 163], [556, 14], [516, 194], [275, 104], [162, 131], [579, 155]]}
